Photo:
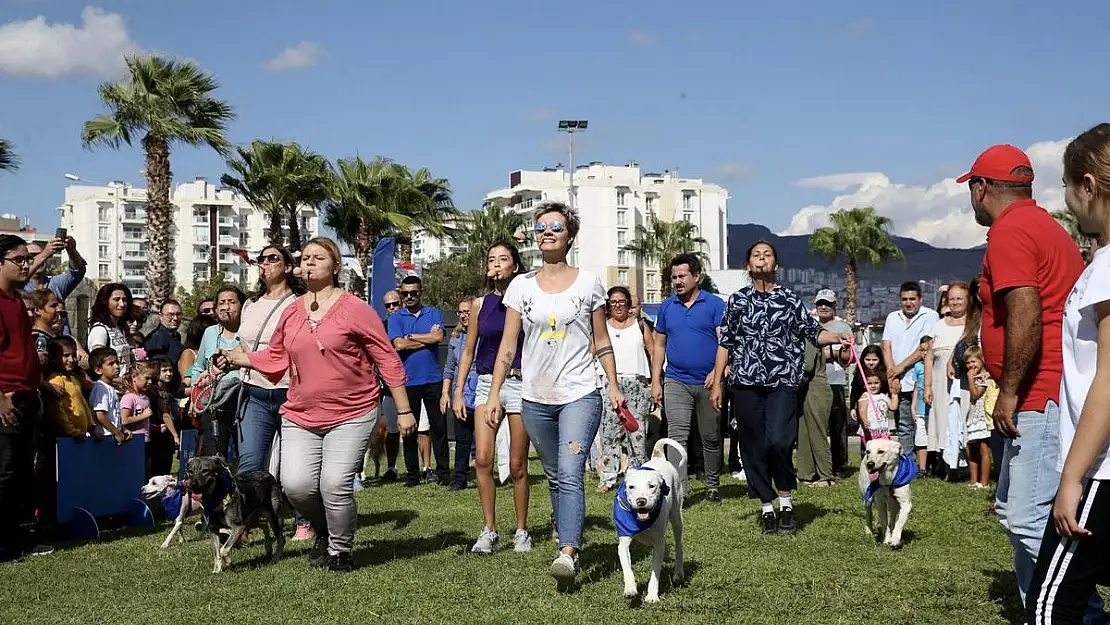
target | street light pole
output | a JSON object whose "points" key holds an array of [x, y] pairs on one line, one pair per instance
{"points": [[570, 126]]}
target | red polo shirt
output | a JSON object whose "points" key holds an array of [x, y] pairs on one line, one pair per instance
{"points": [[1027, 248], [19, 362]]}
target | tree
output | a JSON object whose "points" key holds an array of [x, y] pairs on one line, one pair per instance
{"points": [[201, 290], [1066, 219], [661, 241], [162, 102], [859, 235], [451, 279], [9, 160], [489, 226], [279, 178], [425, 199]]}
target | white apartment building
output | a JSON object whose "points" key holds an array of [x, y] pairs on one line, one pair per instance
{"points": [[427, 247], [611, 201], [212, 227]]}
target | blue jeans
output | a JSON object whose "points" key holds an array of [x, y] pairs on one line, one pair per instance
{"points": [[562, 436], [1027, 483], [259, 423]]}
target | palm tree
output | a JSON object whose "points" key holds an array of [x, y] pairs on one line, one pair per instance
{"points": [[162, 102], [489, 226], [9, 161], [860, 235], [1066, 219], [424, 198], [660, 241], [360, 208], [279, 178]]}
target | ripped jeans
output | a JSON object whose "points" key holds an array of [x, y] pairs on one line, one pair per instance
{"points": [[562, 435]]}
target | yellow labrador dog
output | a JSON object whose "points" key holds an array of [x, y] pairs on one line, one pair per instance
{"points": [[884, 481], [650, 497]]}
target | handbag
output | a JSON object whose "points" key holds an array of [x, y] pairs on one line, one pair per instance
{"points": [[235, 385]]}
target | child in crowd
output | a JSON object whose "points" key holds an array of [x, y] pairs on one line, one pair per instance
{"points": [[921, 410], [875, 406], [104, 398], [977, 434], [164, 437], [135, 407], [70, 414]]}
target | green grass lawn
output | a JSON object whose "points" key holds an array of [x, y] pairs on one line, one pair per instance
{"points": [[415, 567]]}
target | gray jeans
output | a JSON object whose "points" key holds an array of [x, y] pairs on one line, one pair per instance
{"points": [[682, 403], [318, 472], [905, 428]]}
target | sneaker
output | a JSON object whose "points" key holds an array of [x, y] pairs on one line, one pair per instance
{"points": [[318, 556], [358, 484], [739, 476], [713, 495], [770, 522], [564, 569], [458, 486], [488, 542], [787, 524], [304, 532], [428, 474], [342, 562], [522, 542], [391, 475], [412, 481], [39, 550]]}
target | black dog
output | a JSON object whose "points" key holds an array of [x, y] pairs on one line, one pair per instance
{"points": [[236, 503]]}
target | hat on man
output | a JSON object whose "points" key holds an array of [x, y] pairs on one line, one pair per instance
{"points": [[825, 295], [998, 163]]}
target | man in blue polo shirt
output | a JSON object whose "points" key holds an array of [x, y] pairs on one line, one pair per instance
{"points": [[686, 335], [416, 332]]}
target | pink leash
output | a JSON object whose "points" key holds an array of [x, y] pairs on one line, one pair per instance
{"points": [[880, 427]]}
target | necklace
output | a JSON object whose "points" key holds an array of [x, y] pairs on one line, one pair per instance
{"points": [[315, 305]]}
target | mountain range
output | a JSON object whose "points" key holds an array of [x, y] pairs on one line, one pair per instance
{"points": [[923, 261]]}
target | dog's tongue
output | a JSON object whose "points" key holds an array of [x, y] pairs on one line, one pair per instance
{"points": [[873, 476]]}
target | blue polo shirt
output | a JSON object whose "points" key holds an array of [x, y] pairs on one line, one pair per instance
{"points": [[421, 365], [691, 336]]}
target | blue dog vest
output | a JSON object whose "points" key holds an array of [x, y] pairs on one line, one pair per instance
{"points": [[625, 517], [907, 470]]}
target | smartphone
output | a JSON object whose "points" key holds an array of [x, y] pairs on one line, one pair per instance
{"points": [[61, 233]]}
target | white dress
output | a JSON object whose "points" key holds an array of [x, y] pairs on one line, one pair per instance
{"points": [[945, 338]]}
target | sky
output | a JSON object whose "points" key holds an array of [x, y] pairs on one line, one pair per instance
{"points": [[797, 112]]}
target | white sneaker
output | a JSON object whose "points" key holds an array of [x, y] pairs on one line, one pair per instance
{"points": [[522, 542], [488, 542], [565, 568], [739, 476]]}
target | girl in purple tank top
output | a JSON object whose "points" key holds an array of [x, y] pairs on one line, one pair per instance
{"points": [[487, 324]]}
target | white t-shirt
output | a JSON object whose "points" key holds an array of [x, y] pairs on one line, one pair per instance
{"points": [[556, 366], [1081, 353], [905, 337], [101, 335], [105, 398]]}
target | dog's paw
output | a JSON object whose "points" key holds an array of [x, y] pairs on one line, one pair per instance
{"points": [[651, 599], [895, 544], [630, 592], [678, 579]]}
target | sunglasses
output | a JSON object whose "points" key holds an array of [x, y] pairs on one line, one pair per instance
{"points": [[207, 311], [19, 260], [410, 294], [393, 304], [554, 226], [270, 259]]}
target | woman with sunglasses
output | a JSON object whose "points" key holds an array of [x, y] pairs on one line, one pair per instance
{"points": [[560, 309]]}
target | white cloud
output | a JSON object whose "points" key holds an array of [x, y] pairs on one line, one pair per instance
{"points": [[640, 38], [939, 213], [301, 56], [43, 50]]}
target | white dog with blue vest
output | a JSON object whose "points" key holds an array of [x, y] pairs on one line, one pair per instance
{"points": [[884, 481], [650, 497]]}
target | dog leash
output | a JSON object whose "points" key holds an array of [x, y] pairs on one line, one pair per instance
{"points": [[880, 429]]}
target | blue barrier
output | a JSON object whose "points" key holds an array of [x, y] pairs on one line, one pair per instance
{"points": [[98, 480]]}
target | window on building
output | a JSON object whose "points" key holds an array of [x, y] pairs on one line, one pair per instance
{"points": [[200, 233], [622, 237], [103, 271], [622, 277], [104, 215], [622, 218], [621, 196], [687, 215], [623, 256], [688, 201], [102, 252], [102, 234], [200, 214]]}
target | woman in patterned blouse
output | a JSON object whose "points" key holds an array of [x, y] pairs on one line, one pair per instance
{"points": [[763, 335]]}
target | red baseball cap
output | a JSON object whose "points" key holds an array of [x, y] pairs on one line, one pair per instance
{"points": [[996, 163]]}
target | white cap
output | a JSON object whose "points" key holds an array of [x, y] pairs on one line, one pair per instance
{"points": [[825, 295]]}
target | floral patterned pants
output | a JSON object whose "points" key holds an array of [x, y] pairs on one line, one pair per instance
{"points": [[614, 438]]}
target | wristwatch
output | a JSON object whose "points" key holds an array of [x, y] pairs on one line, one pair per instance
{"points": [[408, 337]]}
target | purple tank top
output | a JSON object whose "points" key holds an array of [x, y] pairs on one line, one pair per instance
{"points": [[491, 325]]}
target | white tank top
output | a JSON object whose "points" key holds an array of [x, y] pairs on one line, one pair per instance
{"points": [[628, 349]]}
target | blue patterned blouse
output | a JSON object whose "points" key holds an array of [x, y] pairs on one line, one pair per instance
{"points": [[765, 335]]}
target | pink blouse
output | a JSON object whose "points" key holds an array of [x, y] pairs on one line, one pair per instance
{"points": [[331, 380]]}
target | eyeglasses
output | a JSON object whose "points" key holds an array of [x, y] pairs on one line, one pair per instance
{"points": [[554, 226], [270, 259], [618, 303], [19, 260], [410, 294], [462, 312], [393, 304], [172, 315]]}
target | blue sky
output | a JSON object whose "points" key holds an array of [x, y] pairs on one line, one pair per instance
{"points": [[876, 102]]}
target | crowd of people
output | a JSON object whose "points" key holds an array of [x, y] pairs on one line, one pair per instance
{"points": [[1008, 375]]}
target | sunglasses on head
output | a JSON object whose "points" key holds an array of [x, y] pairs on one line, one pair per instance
{"points": [[554, 226]]}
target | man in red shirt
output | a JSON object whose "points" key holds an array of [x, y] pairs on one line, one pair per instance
{"points": [[1030, 267], [20, 403]]}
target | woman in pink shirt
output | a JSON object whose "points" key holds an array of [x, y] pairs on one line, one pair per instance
{"points": [[329, 341]]}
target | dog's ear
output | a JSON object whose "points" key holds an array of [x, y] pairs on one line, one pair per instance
{"points": [[897, 449]]}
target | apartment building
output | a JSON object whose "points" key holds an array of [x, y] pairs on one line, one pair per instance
{"points": [[427, 247], [611, 201], [214, 230]]}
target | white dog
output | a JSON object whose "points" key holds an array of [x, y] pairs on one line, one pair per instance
{"points": [[161, 486], [650, 496], [884, 481]]}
